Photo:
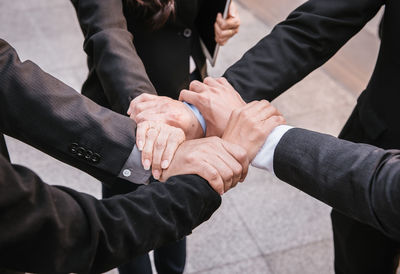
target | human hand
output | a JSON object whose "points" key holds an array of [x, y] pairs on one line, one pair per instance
{"points": [[215, 99], [226, 28], [148, 107], [158, 143], [219, 162], [250, 126]]}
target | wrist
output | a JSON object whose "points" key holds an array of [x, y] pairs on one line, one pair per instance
{"points": [[197, 126], [194, 131]]}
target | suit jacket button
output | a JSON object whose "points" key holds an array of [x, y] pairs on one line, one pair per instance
{"points": [[80, 152], [88, 155], [96, 158], [187, 33], [73, 148]]}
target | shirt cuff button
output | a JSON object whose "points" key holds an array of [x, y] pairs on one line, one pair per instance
{"points": [[127, 173]]}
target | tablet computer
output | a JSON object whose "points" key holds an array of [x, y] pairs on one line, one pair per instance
{"points": [[205, 25]]}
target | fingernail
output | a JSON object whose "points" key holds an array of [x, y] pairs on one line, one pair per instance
{"points": [[146, 164], [165, 164], [156, 174], [140, 145]]}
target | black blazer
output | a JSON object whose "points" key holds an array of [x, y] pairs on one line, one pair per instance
{"points": [[312, 34], [49, 229], [116, 58], [360, 181]]}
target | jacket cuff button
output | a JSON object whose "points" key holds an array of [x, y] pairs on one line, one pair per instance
{"points": [[80, 152], [73, 148], [96, 158]]}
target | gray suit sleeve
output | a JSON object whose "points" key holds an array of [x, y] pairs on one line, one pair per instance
{"points": [[359, 180], [77, 131]]}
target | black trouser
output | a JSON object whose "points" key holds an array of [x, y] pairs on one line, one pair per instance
{"points": [[359, 248], [170, 258]]}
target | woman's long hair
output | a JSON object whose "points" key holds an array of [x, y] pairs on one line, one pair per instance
{"points": [[155, 13]]}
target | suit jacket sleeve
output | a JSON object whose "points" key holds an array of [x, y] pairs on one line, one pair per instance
{"points": [[360, 180], [45, 113], [111, 52], [311, 35], [49, 229]]}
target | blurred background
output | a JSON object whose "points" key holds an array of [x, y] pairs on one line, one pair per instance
{"points": [[263, 225]]}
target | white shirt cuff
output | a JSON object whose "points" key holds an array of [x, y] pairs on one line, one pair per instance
{"points": [[198, 115], [265, 156]]}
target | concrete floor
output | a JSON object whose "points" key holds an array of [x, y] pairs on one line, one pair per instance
{"points": [[264, 225]]}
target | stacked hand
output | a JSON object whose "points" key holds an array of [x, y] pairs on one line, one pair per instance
{"points": [[158, 143], [215, 99], [164, 123], [221, 163], [250, 126], [147, 107]]}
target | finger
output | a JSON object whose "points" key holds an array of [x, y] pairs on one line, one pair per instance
{"points": [[232, 23], [158, 151], [197, 86], [147, 152], [234, 165], [219, 20], [141, 98], [271, 123], [240, 155], [190, 97], [221, 42], [212, 82], [174, 141], [141, 131], [150, 115], [221, 33], [264, 111], [142, 106], [210, 174], [223, 169], [227, 24], [223, 81]]}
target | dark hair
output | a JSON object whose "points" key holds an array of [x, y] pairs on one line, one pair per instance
{"points": [[155, 13]]}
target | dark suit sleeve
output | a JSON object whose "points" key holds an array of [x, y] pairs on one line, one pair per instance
{"points": [[359, 180], [49, 229], [45, 113], [311, 35], [111, 52]]}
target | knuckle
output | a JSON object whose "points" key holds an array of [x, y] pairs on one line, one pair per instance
{"points": [[190, 158], [207, 80], [213, 175], [159, 145], [238, 170], [242, 155], [229, 174]]}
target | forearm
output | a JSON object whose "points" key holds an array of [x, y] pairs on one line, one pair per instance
{"points": [[45, 113], [304, 41], [58, 230], [111, 52], [359, 180]]}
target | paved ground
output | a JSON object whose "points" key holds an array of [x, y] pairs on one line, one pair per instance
{"points": [[263, 226]]}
